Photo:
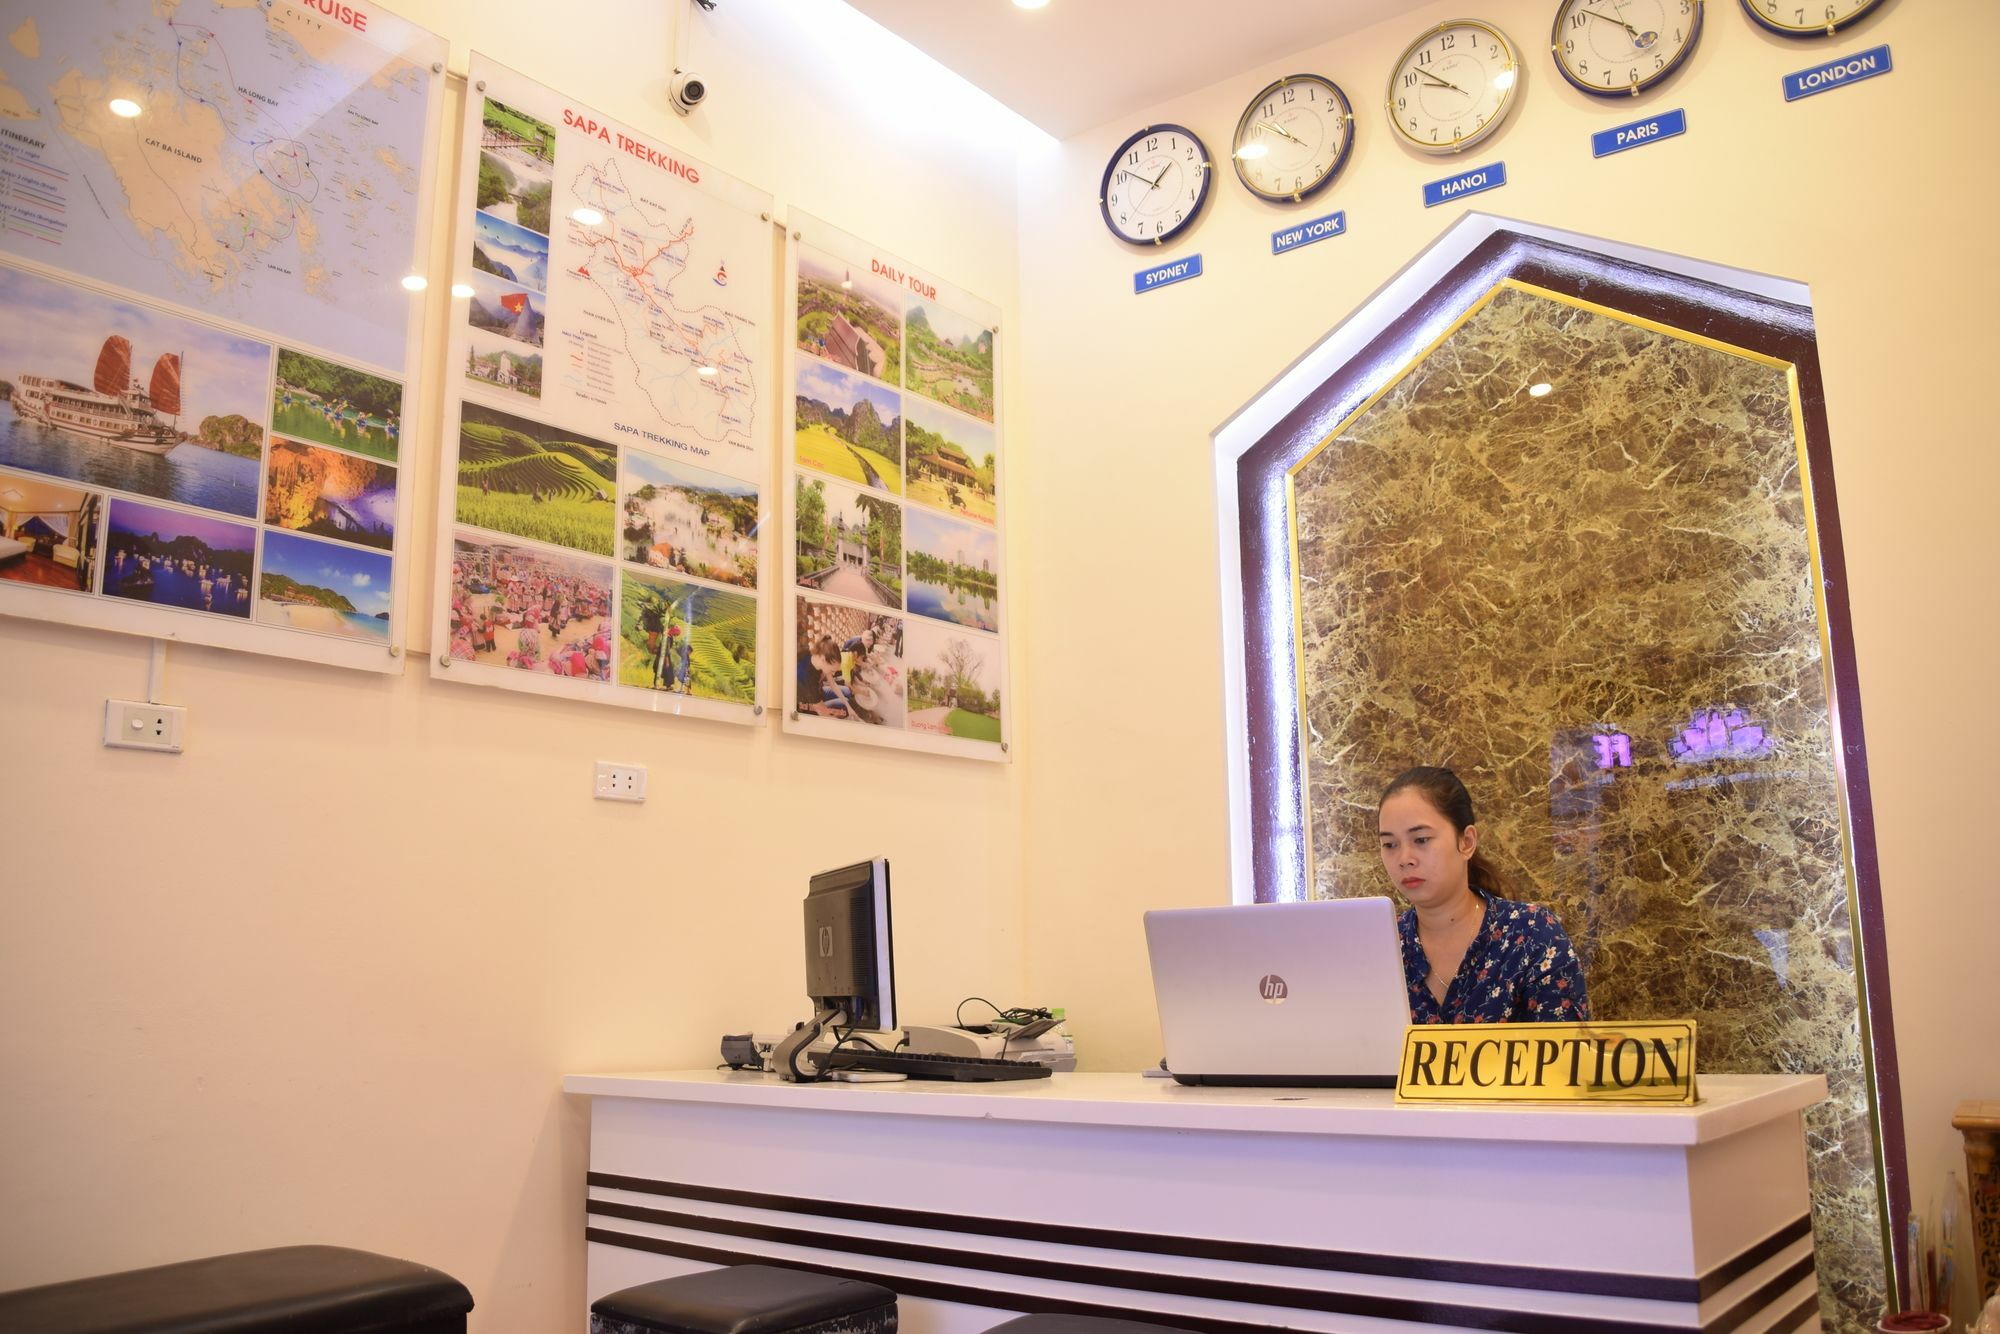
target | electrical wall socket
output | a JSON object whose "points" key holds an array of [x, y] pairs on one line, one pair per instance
{"points": [[620, 782], [144, 726]]}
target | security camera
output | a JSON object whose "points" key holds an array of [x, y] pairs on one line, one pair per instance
{"points": [[687, 90]]}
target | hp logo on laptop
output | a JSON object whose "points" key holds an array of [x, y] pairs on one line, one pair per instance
{"points": [[1273, 989]]}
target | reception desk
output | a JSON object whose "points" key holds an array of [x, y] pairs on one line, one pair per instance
{"points": [[1216, 1209]]}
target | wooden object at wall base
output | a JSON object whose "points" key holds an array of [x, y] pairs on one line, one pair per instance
{"points": [[1979, 1122]]}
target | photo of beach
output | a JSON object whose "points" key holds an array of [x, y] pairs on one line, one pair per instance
{"points": [[497, 360], [48, 533], [850, 316], [954, 571], [850, 664], [529, 610], [510, 251], [324, 588], [503, 308], [950, 462], [174, 559], [687, 639], [322, 491], [329, 404], [689, 520], [954, 682], [849, 427], [518, 476], [850, 542], [125, 398], [949, 358]]}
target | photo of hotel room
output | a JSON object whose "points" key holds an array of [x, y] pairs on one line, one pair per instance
{"points": [[48, 533]]}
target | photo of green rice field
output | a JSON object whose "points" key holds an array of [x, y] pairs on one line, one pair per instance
{"points": [[534, 481], [687, 639]]}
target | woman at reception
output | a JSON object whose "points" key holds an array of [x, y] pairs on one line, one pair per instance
{"points": [[1470, 954]]}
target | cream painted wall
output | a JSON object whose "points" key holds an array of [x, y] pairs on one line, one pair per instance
{"points": [[1874, 195], [318, 978]]}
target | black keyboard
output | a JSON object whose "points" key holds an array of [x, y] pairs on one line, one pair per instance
{"points": [[929, 1065]]}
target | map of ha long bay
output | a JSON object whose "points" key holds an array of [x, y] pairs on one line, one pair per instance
{"points": [[658, 307], [262, 161]]}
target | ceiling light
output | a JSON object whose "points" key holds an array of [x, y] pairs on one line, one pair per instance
{"points": [[461, 290], [126, 107], [1542, 390], [589, 217], [1251, 152], [416, 282], [1029, 4]]}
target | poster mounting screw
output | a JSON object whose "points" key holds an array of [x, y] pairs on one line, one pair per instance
{"points": [[437, 67], [798, 236], [795, 715], [395, 650], [1003, 748], [765, 216], [481, 85], [444, 661], [756, 710]]}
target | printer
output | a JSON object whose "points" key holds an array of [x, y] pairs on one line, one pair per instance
{"points": [[1044, 1042]]}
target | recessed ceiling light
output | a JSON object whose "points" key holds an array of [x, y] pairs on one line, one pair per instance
{"points": [[1030, 4], [461, 290], [126, 107], [589, 217], [416, 282], [1542, 390]]}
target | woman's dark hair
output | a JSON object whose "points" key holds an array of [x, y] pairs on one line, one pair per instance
{"points": [[1447, 795]]}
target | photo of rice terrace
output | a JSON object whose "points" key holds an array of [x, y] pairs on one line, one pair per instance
{"points": [[534, 481], [849, 428], [852, 319], [687, 639], [949, 358]]}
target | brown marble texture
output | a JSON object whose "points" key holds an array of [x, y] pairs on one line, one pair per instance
{"points": [[1493, 581]]}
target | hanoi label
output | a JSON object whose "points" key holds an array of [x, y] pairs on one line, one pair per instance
{"points": [[1489, 177]]}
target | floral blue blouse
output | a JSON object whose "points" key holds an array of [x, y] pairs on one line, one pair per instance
{"points": [[1519, 969]]}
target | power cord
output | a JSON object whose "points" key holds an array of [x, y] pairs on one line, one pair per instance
{"points": [[1013, 1017]]}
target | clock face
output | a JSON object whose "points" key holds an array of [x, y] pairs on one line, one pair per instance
{"points": [[1154, 185], [1293, 138], [1614, 48], [1453, 86], [1808, 18]]}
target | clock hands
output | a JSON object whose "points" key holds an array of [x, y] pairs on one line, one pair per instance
{"points": [[1642, 40], [1447, 83], [1276, 128]]}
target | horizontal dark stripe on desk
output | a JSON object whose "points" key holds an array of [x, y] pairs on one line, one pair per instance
{"points": [[1381, 1308], [1644, 1287]]}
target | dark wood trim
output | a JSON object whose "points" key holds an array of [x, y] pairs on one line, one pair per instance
{"points": [[1646, 1287], [1380, 1308]]}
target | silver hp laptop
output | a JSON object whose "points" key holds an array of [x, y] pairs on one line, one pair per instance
{"points": [[1281, 994]]}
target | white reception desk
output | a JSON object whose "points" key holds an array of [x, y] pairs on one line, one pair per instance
{"points": [[1226, 1210]]}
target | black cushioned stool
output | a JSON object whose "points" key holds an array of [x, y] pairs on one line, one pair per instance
{"points": [[294, 1289], [1079, 1324], [747, 1299]]}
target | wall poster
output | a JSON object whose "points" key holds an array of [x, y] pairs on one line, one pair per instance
{"points": [[207, 213], [896, 619], [604, 463]]}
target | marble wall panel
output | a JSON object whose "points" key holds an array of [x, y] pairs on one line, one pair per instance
{"points": [[1598, 607]]}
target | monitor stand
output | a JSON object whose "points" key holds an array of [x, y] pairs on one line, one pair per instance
{"points": [[785, 1056]]}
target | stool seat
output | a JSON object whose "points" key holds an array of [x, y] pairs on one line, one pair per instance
{"points": [[296, 1289], [747, 1299], [1080, 1324]]}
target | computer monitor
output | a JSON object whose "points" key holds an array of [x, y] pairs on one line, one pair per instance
{"points": [[850, 958]]}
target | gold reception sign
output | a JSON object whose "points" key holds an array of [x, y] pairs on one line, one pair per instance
{"points": [[1648, 1062]]}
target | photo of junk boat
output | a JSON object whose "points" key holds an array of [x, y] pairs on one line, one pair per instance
{"points": [[115, 407]]}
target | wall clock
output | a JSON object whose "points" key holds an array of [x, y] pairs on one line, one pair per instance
{"points": [[1154, 185], [1293, 138], [1612, 48], [1453, 86], [1809, 18]]}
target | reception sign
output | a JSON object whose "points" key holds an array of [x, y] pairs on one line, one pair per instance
{"points": [[1646, 1062]]}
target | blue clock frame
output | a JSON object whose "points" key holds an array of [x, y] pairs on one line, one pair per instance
{"points": [[1200, 199]]}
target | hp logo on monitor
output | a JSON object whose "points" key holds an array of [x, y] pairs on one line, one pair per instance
{"points": [[1273, 989], [826, 942]]}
